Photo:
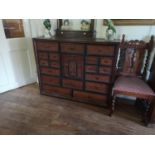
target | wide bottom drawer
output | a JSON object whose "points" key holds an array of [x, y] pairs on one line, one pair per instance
{"points": [[56, 91], [90, 98]]}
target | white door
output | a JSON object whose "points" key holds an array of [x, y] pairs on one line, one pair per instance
{"points": [[17, 63]]}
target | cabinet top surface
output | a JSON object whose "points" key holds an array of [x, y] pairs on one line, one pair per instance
{"points": [[87, 40]]}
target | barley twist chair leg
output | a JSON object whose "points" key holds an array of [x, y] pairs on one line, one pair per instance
{"points": [[146, 121], [112, 108]]}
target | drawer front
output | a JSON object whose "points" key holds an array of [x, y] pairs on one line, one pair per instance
{"points": [[54, 57], [98, 78], [43, 62], [73, 84], [91, 60], [97, 87], [55, 64], [105, 70], [47, 46], [106, 61], [56, 91], [50, 80], [50, 71], [90, 97], [72, 47], [91, 69], [43, 55], [100, 50]]}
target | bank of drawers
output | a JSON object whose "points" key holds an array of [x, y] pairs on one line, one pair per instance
{"points": [[95, 62]]}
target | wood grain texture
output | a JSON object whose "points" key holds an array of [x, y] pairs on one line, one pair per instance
{"points": [[24, 111], [76, 60]]}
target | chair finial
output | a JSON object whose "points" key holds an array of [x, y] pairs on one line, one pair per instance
{"points": [[123, 37]]}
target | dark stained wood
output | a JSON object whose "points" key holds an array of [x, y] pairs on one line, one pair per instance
{"points": [[100, 50], [72, 48], [105, 70], [151, 83], [50, 80], [74, 33], [97, 87], [106, 61], [50, 71], [75, 62], [25, 112], [91, 60], [57, 91], [43, 62], [55, 64], [48, 46], [72, 66], [43, 55], [88, 97], [98, 78], [133, 58], [132, 55], [73, 84], [91, 69], [54, 57]]}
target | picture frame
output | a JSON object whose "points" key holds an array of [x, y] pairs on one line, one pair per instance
{"points": [[127, 22]]}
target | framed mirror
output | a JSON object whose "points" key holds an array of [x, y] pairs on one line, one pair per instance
{"points": [[75, 28]]}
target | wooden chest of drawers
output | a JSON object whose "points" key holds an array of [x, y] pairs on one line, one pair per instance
{"points": [[75, 69]]}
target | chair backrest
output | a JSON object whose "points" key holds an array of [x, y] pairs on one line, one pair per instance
{"points": [[134, 57]]}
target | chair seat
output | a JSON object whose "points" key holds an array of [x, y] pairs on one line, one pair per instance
{"points": [[132, 85]]}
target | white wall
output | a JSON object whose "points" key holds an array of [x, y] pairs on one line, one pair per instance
{"points": [[17, 63], [37, 27], [131, 32]]}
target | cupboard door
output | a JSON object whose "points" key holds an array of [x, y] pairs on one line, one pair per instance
{"points": [[73, 66]]}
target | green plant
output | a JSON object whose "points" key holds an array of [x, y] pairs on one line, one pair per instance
{"points": [[47, 24], [110, 25]]}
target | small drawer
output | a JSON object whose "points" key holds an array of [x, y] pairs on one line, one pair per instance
{"points": [[105, 70], [97, 87], [43, 62], [91, 69], [106, 61], [50, 71], [55, 64], [91, 60], [72, 84], [54, 56], [50, 80], [43, 55], [56, 91], [100, 50], [72, 48], [98, 78], [90, 97], [47, 46]]}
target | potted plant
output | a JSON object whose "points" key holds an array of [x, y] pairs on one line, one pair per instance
{"points": [[47, 24], [110, 31]]}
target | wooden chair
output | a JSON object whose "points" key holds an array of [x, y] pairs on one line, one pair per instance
{"points": [[131, 73]]}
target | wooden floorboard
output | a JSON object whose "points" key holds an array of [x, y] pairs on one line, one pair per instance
{"points": [[25, 112]]}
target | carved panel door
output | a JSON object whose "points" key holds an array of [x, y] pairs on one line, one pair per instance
{"points": [[73, 66]]}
